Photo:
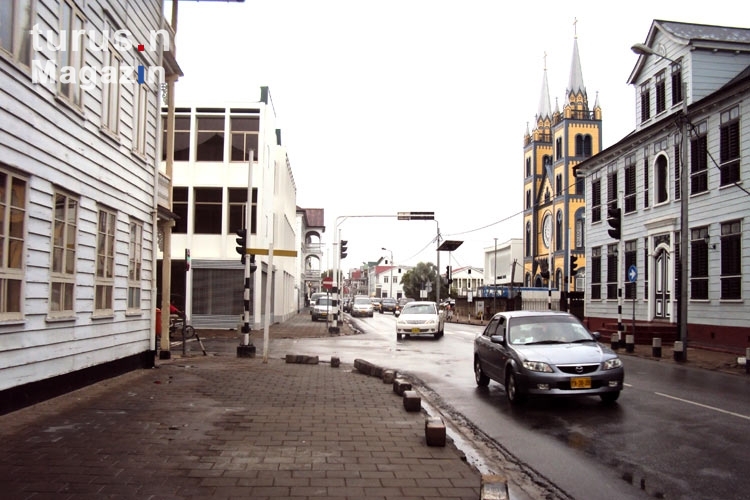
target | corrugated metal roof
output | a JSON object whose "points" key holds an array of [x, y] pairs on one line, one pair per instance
{"points": [[689, 31]]}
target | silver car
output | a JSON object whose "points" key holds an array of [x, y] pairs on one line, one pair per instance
{"points": [[545, 354], [362, 306]]}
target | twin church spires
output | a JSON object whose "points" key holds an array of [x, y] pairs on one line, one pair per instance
{"points": [[554, 205]]}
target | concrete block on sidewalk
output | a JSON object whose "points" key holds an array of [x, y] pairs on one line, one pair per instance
{"points": [[302, 359], [335, 362], [400, 386], [434, 431], [412, 401], [363, 367], [494, 487], [389, 376]]}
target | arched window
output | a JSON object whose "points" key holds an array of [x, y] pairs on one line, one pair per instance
{"points": [[580, 240], [528, 239], [583, 145], [661, 179], [559, 231]]}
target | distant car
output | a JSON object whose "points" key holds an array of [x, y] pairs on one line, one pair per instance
{"points": [[362, 306], [402, 301], [322, 309], [419, 318], [545, 354], [376, 303], [388, 304], [314, 297]]}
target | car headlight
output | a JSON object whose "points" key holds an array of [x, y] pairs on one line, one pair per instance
{"points": [[611, 364], [537, 366]]}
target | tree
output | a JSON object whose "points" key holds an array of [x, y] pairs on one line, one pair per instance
{"points": [[417, 279]]}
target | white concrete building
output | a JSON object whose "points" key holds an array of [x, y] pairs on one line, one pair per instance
{"points": [[213, 141], [79, 189], [499, 262]]}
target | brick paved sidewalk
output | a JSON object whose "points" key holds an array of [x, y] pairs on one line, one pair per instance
{"points": [[227, 427]]}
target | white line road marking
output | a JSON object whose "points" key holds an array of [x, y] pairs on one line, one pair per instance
{"points": [[703, 406]]}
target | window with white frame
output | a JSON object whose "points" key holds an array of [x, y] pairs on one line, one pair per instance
{"points": [[699, 263], [17, 16], [63, 270], [612, 271], [596, 273], [699, 159], [111, 91], [729, 142], [661, 179], [13, 199], [731, 260], [645, 102], [72, 53], [105, 261], [140, 118], [135, 265]]}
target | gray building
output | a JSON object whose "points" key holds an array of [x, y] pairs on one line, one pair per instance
{"points": [[692, 84]]}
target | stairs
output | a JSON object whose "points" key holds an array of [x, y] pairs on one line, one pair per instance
{"points": [[645, 331]]}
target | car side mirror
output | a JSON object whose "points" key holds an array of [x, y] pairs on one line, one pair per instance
{"points": [[497, 339], [596, 335]]}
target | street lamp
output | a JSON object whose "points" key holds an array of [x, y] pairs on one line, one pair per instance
{"points": [[643, 50], [390, 294]]}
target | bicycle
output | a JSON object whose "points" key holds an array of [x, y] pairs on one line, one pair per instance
{"points": [[188, 332]]}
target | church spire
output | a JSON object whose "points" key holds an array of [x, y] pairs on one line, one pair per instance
{"points": [[545, 109], [575, 84]]}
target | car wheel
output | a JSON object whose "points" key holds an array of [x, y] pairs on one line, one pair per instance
{"points": [[398, 336], [511, 389], [436, 335], [482, 379], [610, 397], [371, 315]]}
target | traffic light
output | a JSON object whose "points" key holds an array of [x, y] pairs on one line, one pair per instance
{"points": [[545, 274], [448, 277], [342, 246], [242, 243], [573, 264], [614, 219]]}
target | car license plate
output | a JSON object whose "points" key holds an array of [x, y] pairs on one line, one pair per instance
{"points": [[415, 330], [580, 383]]}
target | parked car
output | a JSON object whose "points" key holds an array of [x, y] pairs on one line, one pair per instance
{"points": [[322, 308], [419, 318], [388, 304], [545, 354], [402, 301], [314, 297], [362, 306]]}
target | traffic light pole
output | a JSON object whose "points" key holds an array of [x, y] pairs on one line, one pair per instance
{"points": [[246, 349]]}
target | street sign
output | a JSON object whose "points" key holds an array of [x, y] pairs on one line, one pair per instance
{"points": [[416, 216], [276, 252], [328, 283], [632, 273]]}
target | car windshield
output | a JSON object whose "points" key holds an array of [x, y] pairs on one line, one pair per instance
{"points": [[323, 301], [419, 309], [362, 301], [547, 330]]}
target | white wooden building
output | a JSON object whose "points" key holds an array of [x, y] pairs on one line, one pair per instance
{"points": [[78, 188], [700, 74]]}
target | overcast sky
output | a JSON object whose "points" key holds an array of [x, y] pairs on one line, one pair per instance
{"points": [[418, 105]]}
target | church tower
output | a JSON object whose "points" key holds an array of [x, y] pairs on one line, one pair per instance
{"points": [[554, 206]]}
